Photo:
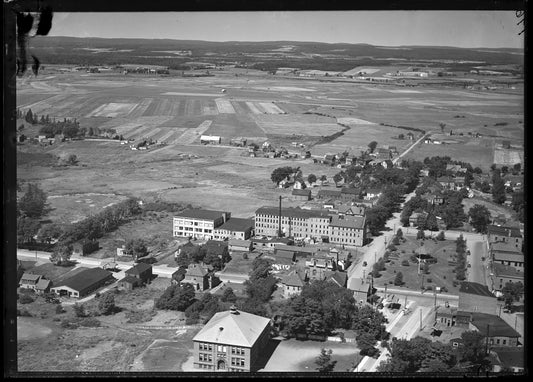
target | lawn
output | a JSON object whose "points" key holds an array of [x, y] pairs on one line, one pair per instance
{"points": [[440, 273]]}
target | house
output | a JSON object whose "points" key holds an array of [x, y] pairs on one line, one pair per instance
{"points": [[329, 159], [509, 358], [299, 184], [292, 284], [198, 223], [188, 249], [231, 341], [300, 194], [502, 274], [129, 283], [349, 194], [83, 283], [506, 254], [459, 182], [235, 245], [447, 182], [198, 276], [446, 315], [210, 139], [505, 234], [29, 281], [141, 271], [338, 278], [361, 288], [329, 194], [86, 247], [455, 168], [372, 193], [239, 142], [178, 275], [286, 183], [418, 219], [351, 210], [348, 230], [43, 286], [498, 332], [234, 228], [476, 298], [269, 242], [410, 136]]}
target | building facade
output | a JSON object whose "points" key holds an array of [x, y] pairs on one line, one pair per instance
{"points": [[231, 341], [295, 222], [199, 224], [234, 228], [348, 230]]}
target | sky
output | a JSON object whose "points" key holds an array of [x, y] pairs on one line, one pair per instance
{"points": [[467, 29]]}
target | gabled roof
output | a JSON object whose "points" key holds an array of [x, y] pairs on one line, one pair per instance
{"points": [[138, 269], [500, 246], [510, 356], [30, 277], [235, 329], [306, 192], [497, 327], [237, 224], [348, 221], [330, 193], [196, 270], [42, 284], [201, 214], [359, 285], [292, 279], [350, 190], [506, 271], [475, 288], [284, 254], [503, 231], [130, 279], [338, 278], [86, 278]]}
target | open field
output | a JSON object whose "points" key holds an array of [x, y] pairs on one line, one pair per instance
{"points": [[255, 106]]}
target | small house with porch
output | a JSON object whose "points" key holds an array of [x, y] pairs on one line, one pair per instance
{"points": [[141, 271]]}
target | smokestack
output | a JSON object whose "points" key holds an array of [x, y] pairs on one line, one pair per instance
{"points": [[279, 226]]}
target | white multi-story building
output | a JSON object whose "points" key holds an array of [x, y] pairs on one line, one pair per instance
{"points": [[198, 224]]}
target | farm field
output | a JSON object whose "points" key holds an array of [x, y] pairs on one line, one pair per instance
{"points": [[255, 106]]}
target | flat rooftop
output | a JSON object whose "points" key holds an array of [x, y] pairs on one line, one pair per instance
{"points": [[201, 214]]}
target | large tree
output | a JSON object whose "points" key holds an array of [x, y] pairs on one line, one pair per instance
{"points": [[311, 178], [49, 232], [27, 228], [337, 178], [479, 217], [33, 201], [498, 188], [62, 254], [176, 297], [136, 248], [324, 362], [372, 146], [106, 304], [512, 292], [281, 173]]}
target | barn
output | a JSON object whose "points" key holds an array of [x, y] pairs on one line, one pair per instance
{"points": [[210, 139], [83, 283]]}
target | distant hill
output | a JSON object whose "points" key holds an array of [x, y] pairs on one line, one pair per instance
{"points": [[175, 53]]}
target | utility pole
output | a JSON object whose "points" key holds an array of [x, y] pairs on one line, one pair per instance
{"points": [[420, 319], [487, 341]]}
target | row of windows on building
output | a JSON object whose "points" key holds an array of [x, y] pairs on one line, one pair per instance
{"points": [[195, 229], [503, 342], [221, 348], [195, 223], [235, 361]]}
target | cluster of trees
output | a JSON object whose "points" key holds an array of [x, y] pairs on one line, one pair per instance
{"points": [[176, 297], [437, 168], [512, 292], [282, 173], [30, 208], [95, 226], [216, 255], [205, 308], [479, 217], [460, 249], [518, 204], [259, 287], [498, 187], [387, 204], [423, 355], [136, 248]]}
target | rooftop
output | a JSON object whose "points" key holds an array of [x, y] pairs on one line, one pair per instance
{"points": [[30, 277], [201, 214], [503, 231], [348, 221], [237, 224], [292, 279], [293, 212], [138, 269], [86, 278], [305, 192], [475, 288], [359, 285], [510, 356], [500, 246], [329, 193], [294, 248], [43, 284], [497, 327], [235, 329], [130, 279], [506, 271], [196, 270]]}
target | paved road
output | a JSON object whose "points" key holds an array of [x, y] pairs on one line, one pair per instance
{"points": [[476, 271]]}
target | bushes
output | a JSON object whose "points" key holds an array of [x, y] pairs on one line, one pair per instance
{"points": [[59, 309], [26, 299], [139, 316], [23, 313]]}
